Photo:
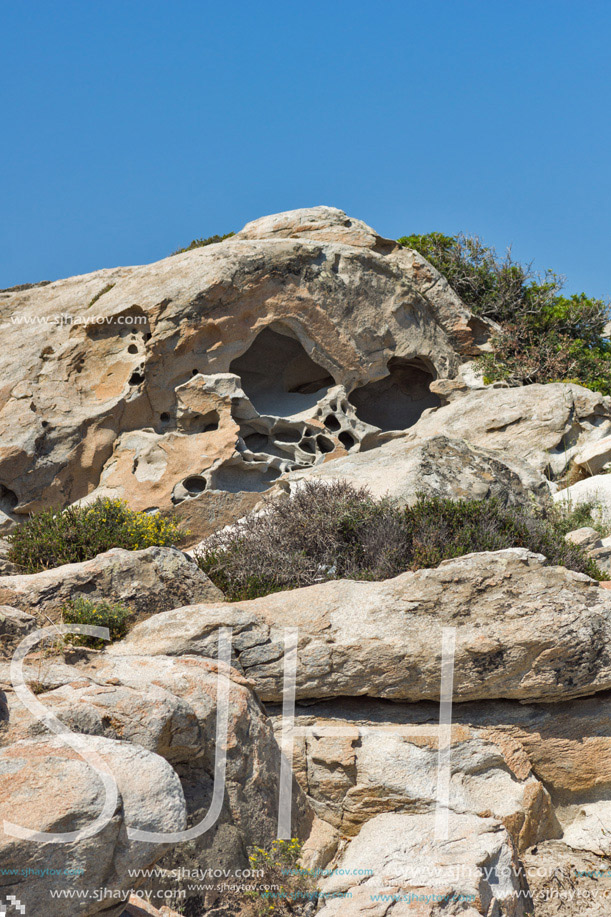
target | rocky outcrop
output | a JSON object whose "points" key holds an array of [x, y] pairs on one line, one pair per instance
{"points": [[409, 870], [110, 366], [52, 789], [438, 467], [148, 581], [168, 707], [524, 630], [354, 768], [543, 425]]}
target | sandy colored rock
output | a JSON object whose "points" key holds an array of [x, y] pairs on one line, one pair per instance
{"points": [[114, 391], [14, 626], [470, 872], [439, 467], [354, 771], [168, 706], [586, 536], [543, 425], [594, 456], [524, 630], [596, 490], [148, 581], [46, 786]]}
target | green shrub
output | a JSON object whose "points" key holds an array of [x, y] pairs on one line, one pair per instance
{"points": [[544, 336], [114, 616], [329, 531], [54, 537], [200, 243], [566, 517]]}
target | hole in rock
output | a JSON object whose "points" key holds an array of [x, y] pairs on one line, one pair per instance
{"points": [[132, 349], [45, 424], [8, 499], [194, 484], [278, 376], [195, 372], [240, 477], [307, 447], [136, 378], [199, 423], [256, 442], [398, 400], [324, 444], [287, 436], [148, 336], [346, 439], [332, 423]]}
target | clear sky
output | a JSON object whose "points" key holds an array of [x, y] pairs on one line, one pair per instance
{"points": [[131, 127]]}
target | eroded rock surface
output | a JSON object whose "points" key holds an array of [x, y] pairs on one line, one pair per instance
{"points": [[439, 467], [47, 787], [524, 630], [149, 581], [469, 871], [297, 303]]}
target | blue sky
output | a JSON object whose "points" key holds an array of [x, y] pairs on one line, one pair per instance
{"points": [[131, 127]]}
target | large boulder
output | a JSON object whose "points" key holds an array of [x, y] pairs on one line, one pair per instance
{"points": [[438, 467], [543, 425], [116, 387], [168, 706], [149, 581], [524, 630], [45, 786], [397, 865]]}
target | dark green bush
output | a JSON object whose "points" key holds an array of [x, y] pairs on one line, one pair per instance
{"points": [[54, 537], [544, 336], [114, 616], [199, 243], [336, 530]]}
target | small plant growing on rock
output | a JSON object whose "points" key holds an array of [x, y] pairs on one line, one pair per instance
{"points": [[54, 537], [114, 616], [332, 531], [200, 243]]}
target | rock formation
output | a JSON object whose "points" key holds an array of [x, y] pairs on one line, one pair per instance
{"points": [[306, 347]]}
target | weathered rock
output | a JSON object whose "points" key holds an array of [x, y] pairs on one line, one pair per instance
{"points": [[213, 510], [594, 456], [7, 523], [168, 706], [543, 425], [149, 581], [45, 786], [586, 537], [439, 467], [114, 390], [524, 630], [14, 626], [139, 906], [596, 490], [355, 770], [396, 866], [566, 747], [564, 882]]}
